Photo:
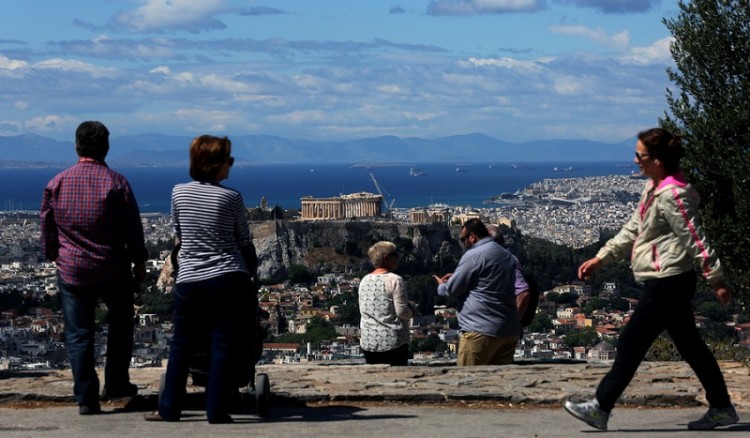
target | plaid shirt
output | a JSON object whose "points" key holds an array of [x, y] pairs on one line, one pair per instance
{"points": [[91, 226]]}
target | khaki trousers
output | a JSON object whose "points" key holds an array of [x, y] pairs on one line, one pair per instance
{"points": [[478, 349]]}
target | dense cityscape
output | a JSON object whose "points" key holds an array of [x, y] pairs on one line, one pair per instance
{"points": [[566, 211]]}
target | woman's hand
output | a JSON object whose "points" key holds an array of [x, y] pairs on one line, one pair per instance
{"points": [[588, 267]]}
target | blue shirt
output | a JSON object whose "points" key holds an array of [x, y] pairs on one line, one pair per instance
{"points": [[485, 281]]}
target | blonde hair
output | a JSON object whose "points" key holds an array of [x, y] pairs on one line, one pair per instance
{"points": [[379, 250]]}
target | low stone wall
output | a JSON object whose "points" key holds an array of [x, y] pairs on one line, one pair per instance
{"points": [[526, 383]]}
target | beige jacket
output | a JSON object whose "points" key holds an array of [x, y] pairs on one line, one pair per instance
{"points": [[665, 236]]}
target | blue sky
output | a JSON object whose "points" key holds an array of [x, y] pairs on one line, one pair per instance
{"points": [[516, 70]]}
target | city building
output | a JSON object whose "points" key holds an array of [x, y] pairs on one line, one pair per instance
{"points": [[351, 206]]}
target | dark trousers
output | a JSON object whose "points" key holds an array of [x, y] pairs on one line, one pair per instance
{"points": [[664, 305], [206, 312], [79, 305], [399, 356]]}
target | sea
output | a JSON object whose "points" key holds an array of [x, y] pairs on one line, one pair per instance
{"points": [[402, 185]]}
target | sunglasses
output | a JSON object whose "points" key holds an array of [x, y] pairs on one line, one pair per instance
{"points": [[230, 160], [640, 156]]}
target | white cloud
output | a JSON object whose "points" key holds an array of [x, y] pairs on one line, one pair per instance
{"points": [[71, 65], [20, 105], [162, 69], [200, 120], [390, 89], [11, 64], [656, 53], [165, 15], [570, 85], [12, 67], [481, 7], [301, 116], [47, 124], [507, 63], [619, 41]]}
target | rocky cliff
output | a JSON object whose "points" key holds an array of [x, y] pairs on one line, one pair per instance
{"points": [[342, 246], [326, 247]]}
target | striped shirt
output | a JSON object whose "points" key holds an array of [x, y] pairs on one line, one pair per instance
{"points": [[90, 225], [210, 221]]}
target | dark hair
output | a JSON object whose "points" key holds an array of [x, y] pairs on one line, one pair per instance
{"points": [[664, 146], [92, 140], [207, 155], [476, 227]]}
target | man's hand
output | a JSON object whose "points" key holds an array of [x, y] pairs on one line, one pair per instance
{"points": [[443, 279]]}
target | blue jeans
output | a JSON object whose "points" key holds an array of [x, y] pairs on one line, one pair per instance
{"points": [[206, 315], [79, 305]]}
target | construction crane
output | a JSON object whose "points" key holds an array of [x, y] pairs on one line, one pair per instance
{"points": [[380, 190]]}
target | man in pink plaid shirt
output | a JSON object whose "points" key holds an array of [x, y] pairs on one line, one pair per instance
{"points": [[91, 228]]}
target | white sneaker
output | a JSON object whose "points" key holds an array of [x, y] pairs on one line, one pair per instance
{"points": [[715, 417], [588, 412]]}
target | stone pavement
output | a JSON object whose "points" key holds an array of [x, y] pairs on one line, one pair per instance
{"points": [[349, 420], [529, 384]]}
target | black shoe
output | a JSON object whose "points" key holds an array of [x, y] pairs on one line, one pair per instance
{"points": [[221, 419], [89, 409], [128, 390]]}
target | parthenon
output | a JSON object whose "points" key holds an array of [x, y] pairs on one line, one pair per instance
{"points": [[354, 205]]}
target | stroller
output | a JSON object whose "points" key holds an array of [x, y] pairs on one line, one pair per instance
{"points": [[243, 371]]}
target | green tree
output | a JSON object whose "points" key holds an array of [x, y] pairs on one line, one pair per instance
{"points": [[157, 302], [276, 213], [299, 274], [540, 324], [566, 298], [349, 314], [422, 289], [595, 303], [430, 343], [319, 330], [711, 50], [586, 337]]}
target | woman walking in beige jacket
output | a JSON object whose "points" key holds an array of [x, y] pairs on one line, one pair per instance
{"points": [[665, 241]]}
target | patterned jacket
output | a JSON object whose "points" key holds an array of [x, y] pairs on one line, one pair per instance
{"points": [[665, 236]]}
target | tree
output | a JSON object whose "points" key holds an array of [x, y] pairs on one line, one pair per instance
{"points": [[319, 330], [586, 337], [566, 298], [540, 324], [430, 343], [349, 314], [711, 50], [713, 311], [422, 289], [299, 274]]}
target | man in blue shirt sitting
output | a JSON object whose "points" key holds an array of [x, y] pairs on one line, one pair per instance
{"points": [[484, 282]]}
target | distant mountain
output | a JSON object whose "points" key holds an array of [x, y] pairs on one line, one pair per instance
{"points": [[163, 150]]}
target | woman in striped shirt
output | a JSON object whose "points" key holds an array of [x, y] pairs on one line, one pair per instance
{"points": [[216, 264]]}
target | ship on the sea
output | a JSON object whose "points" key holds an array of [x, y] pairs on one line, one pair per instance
{"points": [[415, 172]]}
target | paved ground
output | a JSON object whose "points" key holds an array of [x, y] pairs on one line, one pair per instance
{"points": [[379, 401], [359, 421]]}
